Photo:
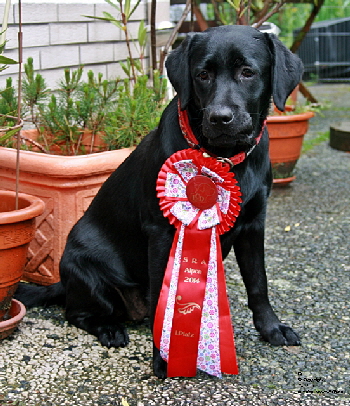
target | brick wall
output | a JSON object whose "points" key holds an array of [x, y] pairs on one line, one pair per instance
{"points": [[57, 35]]}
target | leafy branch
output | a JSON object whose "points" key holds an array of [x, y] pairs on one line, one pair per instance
{"points": [[125, 11]]}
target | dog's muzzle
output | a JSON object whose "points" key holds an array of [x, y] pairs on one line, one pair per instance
{"points": [[224, 127]]}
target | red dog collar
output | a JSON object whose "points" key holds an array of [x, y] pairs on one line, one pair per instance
{"points": [[193, 142]]}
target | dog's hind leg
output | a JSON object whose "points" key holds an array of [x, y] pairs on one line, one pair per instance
{"points": [[98, 314]]}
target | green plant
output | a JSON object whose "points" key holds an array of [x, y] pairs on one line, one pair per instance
{"points": [[308, 145], [132, 67], [120, 111], [299, 108], [137, 112], [303, 108], [4, 61], [244, 12], [125, 11], [73, 108], [35, 90], [8, 100], [8, 109], [139, 107]]}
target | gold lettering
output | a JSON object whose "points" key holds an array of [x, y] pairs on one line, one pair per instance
{"points": [[184, 334], [193, 271], [191, 280]]}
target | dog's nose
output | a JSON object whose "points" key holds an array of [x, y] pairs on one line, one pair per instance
{"points": [[221, 117]]}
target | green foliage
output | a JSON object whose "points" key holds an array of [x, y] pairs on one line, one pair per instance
{"points": [[289, 18], [313, 107], [74, 107], [8, 100], [123, 7], [301, 108], [125, 12], [138, 111], [293, 16], [138, 106], [237, 11], [8, 107], [125, 111], [310, 144], [35, 90], [4, 61], [6, 135], [334, 9]]}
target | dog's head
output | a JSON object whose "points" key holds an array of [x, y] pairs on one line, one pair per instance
{"points": [[229, 74]]}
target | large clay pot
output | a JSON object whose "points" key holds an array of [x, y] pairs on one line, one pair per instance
{"points": [[67, 185], [17, 229], [286, 134]]}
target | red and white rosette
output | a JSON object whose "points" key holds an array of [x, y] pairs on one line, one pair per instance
{"points": [[192, 327]]}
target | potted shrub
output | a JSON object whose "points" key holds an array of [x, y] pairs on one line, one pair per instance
{"points": [[67, 184], [117, 113], [286, 134], [70, 119]]}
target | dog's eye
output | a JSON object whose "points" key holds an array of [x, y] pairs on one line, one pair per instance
{"points": [[204, 75], [247, 73]]}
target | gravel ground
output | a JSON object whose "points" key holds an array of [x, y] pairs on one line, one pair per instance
{"points": [[48, 362]]}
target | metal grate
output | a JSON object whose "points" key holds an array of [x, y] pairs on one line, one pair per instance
{"points": [[325, 51]]}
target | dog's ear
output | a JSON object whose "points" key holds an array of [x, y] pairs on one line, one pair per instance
{"points": [[178, 68], [287, 71]]}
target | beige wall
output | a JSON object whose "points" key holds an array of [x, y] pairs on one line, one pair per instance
{"points": [[57, 35]]}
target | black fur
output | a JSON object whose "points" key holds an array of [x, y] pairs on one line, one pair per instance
{"points": [[114, 261]]}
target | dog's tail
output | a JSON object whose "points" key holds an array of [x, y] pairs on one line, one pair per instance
{"points": [[33, 295]]}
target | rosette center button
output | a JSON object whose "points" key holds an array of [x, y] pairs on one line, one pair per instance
{"points": [[202, 192]]}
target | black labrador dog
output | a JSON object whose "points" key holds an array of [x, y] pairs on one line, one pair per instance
{"points": [[115, 258]]}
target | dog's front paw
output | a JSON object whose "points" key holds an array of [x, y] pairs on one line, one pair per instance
{"points": [[280, 334], [159, 365], [113, 336]]}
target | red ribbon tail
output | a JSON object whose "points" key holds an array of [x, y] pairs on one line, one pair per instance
{"points": [[190, 293]]}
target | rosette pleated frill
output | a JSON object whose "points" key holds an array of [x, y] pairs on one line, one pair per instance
{"points": [[192, 328]]}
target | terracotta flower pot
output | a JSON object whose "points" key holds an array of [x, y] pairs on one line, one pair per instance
{"points": [[16, 313], [286, 134], [67, 184], [17, 229]]}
